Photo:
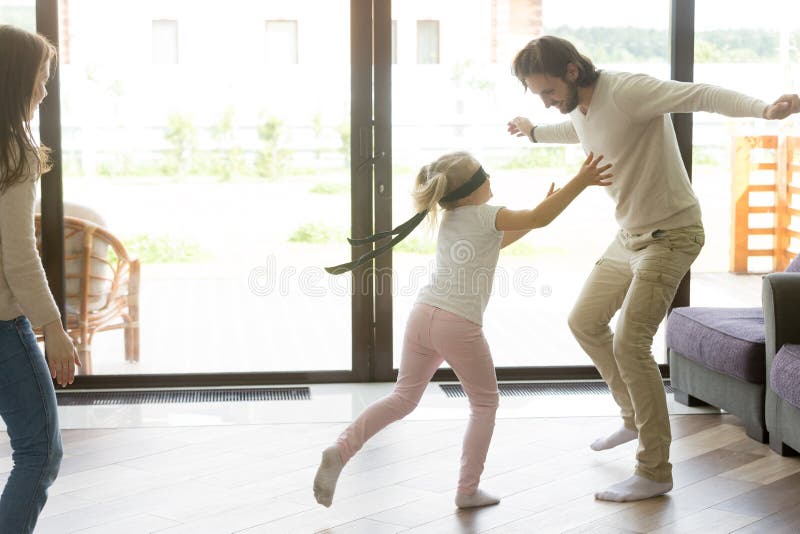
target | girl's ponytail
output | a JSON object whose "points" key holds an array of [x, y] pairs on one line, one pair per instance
{"points": [[437, 179], [429, 187]]}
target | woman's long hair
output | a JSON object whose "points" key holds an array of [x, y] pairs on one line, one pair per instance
{"points": [[22, 55], [437, 179]]}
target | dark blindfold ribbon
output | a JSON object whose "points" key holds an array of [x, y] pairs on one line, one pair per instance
{"points": [[468, 187], [401, 233]]}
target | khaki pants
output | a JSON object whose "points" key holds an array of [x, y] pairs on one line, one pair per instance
{"points": [[637, 275]]}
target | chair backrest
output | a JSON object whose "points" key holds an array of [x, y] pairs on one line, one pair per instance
{"points": [[96, 266], [794, 267]]}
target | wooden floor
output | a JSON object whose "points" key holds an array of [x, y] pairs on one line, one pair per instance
{"points": [[257, 478]]}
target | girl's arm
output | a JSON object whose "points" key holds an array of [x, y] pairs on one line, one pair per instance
{"points": [[512, 236], [553, 205]]}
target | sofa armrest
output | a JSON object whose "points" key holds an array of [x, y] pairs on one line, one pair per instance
{"points": [[781, 300]]}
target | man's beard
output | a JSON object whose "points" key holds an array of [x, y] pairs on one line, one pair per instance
{"points": [[572, 98]]}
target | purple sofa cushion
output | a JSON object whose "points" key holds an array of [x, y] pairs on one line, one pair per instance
{"points": [[727, 340], [794, 267], [784, 378]]}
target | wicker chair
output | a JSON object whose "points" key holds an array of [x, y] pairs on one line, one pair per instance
{"points": [[102, 287]]}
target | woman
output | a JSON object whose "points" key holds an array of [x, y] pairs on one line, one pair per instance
{"points": [[27, 398]]}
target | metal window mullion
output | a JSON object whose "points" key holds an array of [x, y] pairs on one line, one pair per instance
{"points": [[52, 182], [382, 101], [682, 69]]}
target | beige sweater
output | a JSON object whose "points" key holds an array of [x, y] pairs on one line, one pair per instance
{"points": [[628, 123], [23, 284]]}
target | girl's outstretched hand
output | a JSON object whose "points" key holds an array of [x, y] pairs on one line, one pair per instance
{"points": [[592, 173]]}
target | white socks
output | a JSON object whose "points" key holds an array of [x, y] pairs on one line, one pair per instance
{"points": [[623, 435], [635, 488], [327, 475], [331, 466], [479, 498]]}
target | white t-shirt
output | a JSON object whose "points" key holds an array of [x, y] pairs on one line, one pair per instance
{"points": [[467, 250], [628, 123]]}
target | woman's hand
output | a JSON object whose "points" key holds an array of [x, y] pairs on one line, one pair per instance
{"points": [[593, 174], [62, 357]]}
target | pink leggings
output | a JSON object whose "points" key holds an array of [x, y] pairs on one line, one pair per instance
{"points": [[433, 336]]}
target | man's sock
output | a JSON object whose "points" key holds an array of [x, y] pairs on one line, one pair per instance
{"points": [[327, 475], [635, 488], [479, 498], [623, 435]]}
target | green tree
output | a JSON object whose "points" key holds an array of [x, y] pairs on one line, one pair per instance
{"points": [[317, 127], [642, 45], [231, 161], [270, 159], [181, 135]]}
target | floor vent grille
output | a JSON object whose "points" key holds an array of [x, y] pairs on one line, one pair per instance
{"points": [[168, 396], [542, 389]]}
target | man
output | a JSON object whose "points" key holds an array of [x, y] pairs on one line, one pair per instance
{"points": [[624, 117]]}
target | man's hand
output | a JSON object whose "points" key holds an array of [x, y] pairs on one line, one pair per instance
{"points": [[784, 106], [520, 127]]}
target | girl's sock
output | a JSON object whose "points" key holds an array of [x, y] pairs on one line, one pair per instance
{"points": [[623, 435], [479, 498], [327, 475]]}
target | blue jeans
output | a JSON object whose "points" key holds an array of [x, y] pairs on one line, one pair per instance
{"points": [[28, 407]]}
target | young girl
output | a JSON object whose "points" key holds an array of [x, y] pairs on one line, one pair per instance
{"points": [[445, 324], [27, 398]]}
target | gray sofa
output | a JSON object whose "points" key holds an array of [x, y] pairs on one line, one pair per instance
{"points": [[719, 356], [781, 298]]}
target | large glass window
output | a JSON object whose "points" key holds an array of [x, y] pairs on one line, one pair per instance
{"points": [[463, 103], [228, 177], [756, 53]]}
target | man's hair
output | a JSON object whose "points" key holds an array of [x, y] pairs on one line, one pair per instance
{"points": [[550, 55]]}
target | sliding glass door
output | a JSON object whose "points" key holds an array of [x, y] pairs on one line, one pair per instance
{"points": [[212, 139], [453, 89], [232, 147]]}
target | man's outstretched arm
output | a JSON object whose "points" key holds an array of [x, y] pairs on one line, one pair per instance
{"points": [[644, 97]]}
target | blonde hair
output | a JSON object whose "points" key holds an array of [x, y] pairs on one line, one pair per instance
{"points": [[439, 178]]}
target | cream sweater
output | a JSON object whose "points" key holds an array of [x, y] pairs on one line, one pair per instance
{"points": [[628, 123], [23, 284]]}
